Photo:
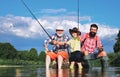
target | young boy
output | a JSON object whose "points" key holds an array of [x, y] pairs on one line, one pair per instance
{"points": [[74, 43]]}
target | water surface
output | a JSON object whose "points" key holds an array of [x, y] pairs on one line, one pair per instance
{"points": [[37, 71]]}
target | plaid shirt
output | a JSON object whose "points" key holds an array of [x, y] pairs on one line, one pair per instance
{"points": [[56, 48], [90, 43]]}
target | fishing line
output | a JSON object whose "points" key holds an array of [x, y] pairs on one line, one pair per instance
{"points": [[35, 18]]}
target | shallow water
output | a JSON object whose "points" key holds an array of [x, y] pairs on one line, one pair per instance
{"points": [[37, 71]]}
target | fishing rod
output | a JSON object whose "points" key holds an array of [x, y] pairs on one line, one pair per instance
{"points": [[78, 12], [35, 18]]}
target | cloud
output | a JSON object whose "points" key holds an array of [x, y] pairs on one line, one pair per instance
{"points": [[61, 14], [54, 11], [27, 27], [104, 31], [18, 26]]}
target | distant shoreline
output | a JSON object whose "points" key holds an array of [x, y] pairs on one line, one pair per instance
{"points": [[11, 66]]}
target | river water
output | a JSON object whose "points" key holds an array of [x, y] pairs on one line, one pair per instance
{"points": [[37, 71]]}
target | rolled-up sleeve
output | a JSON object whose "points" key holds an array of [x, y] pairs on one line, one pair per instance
{"points": [[48, 40]]}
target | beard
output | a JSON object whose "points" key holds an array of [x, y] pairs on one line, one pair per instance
{"points": [[92, 34], [59, 35]]}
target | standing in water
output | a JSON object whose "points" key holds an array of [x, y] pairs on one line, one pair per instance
{"points": [[59, 52], [90, 41], [74, 43]]}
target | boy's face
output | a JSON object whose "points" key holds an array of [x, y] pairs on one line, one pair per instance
{"points": [[74, 34]]}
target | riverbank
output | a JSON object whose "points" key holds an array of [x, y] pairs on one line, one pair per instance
{"points": [[11, 66]]}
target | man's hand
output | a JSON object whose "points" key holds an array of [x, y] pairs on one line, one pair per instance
{"points": [[100, 49], [53, 42], [57, 42]]}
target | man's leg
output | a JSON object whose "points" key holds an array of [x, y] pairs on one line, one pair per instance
{"points": [[60, 61], [104, 59], [48, 61], [87, 59], [50, 56], [104, 62]]}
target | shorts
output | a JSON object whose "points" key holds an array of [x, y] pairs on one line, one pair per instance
{"points": [[64, 54], [76, 56], [52, 55], [93, 55]]}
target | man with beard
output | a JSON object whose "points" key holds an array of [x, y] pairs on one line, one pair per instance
{"points": [[90, 41]]}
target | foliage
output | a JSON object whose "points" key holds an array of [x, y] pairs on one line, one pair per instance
{"points": [[18, 62], [42, 56], [22, 55], [32, 55], [7, 51], [117, 44], [114, 59], [10, 56]]}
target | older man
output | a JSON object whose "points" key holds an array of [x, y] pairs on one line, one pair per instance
{"points": [[59, 52]]}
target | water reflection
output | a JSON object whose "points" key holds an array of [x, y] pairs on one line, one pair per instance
{"points": [[63, 73], [75, 73], [42, 72], [51, 73], [18, 72], [57, 72]]}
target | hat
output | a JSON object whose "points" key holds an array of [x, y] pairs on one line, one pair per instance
{"points": [[59, 28], [75, 30]]}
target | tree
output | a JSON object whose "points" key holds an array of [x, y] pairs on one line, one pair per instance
{"points": [[117, 44], [7, 51], [33, 54], [42, 56], [23, 55]]}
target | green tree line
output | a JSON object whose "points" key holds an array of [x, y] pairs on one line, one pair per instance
{"points": [[10, 54]]}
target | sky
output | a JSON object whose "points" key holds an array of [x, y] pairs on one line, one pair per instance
{"points": [[19, 27]]}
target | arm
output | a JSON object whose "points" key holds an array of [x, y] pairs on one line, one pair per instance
{"points": [[47, 42], [99, 44], [58, 43]]}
